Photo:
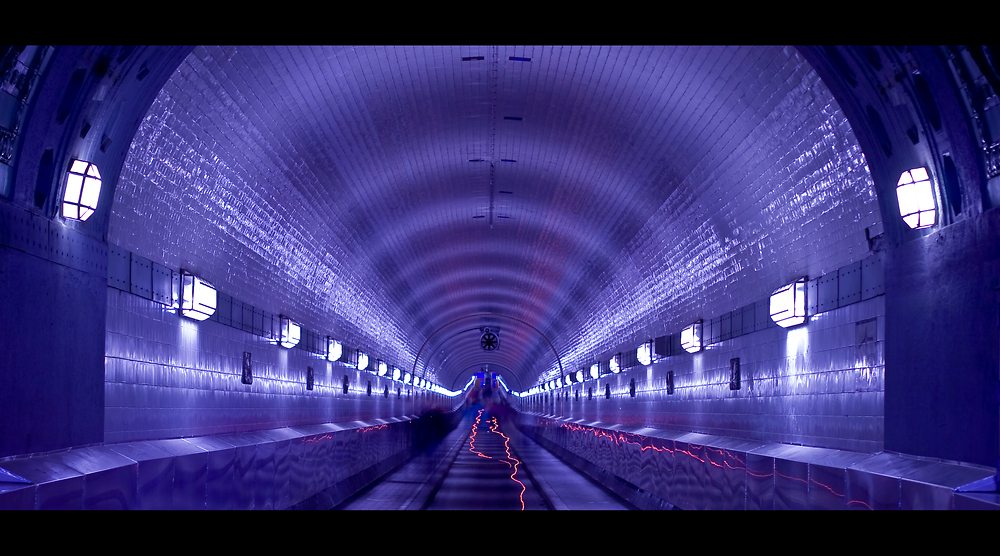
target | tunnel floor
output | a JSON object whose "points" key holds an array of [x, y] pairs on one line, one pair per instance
{"points": [[479, 467]]}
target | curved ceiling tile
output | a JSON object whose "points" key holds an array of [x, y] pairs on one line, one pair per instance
{"points": [[589, 196]]}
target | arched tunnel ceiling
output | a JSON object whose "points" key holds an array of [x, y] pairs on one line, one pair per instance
{"points": [[591, 197]]}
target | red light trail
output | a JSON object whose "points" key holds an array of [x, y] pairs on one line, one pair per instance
{"points": [[472, 437], [620, 438], [495, 428], [506, 444]]}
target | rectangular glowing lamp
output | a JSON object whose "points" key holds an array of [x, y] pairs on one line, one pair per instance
{"points": [[289, 332], [198, 297], [334, 349], [644, 353], [691, 337], [915, 194], [788, 304], [615, 363], [83, 190]]}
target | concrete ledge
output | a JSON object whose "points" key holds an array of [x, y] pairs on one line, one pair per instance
{"points": [[659, 469], [273, 469]]}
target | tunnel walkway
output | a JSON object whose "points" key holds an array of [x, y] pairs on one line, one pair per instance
{"points": [[479, 467]]}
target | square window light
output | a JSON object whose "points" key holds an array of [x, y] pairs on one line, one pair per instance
{"points": [[788, 304], [691, 337], [198, 297], [83, 190], [644, 353], [289, 332], [334, 349], [915, 194]]}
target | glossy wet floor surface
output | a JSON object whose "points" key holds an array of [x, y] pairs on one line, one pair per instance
{"points": [[479, 466]]}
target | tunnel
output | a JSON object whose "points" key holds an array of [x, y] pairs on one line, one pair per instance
{"points": [[657, 277]]}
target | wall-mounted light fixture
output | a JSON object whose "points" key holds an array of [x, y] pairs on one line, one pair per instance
{"points": [[788, 304], [691, 337], [915, 194], [289, 332], [406, 377], [615, 364], [396, 373], [198, 297], [362, 360], [578, 375], [382, 368], [595, 370], [644, 353], [334, 349], [83, 190]]}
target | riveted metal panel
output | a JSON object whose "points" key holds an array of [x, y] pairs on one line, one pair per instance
{"points": [[762, 315], [872, 277], [119, 268], [268, 324], [750, 318], [812, 297], [725, 327], [713, 334], [224, 308], [248, 318], [675, 344], [310, 341], [141, 277], [24, 230], [828, 292], [737, 322], [662, 346], [163, 288], [849, 283], [628, 359], [69, 247], [258, 321], [236, 314]]}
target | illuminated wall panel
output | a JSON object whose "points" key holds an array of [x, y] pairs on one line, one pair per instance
{"points": [[821, 384], [168, 377]]}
